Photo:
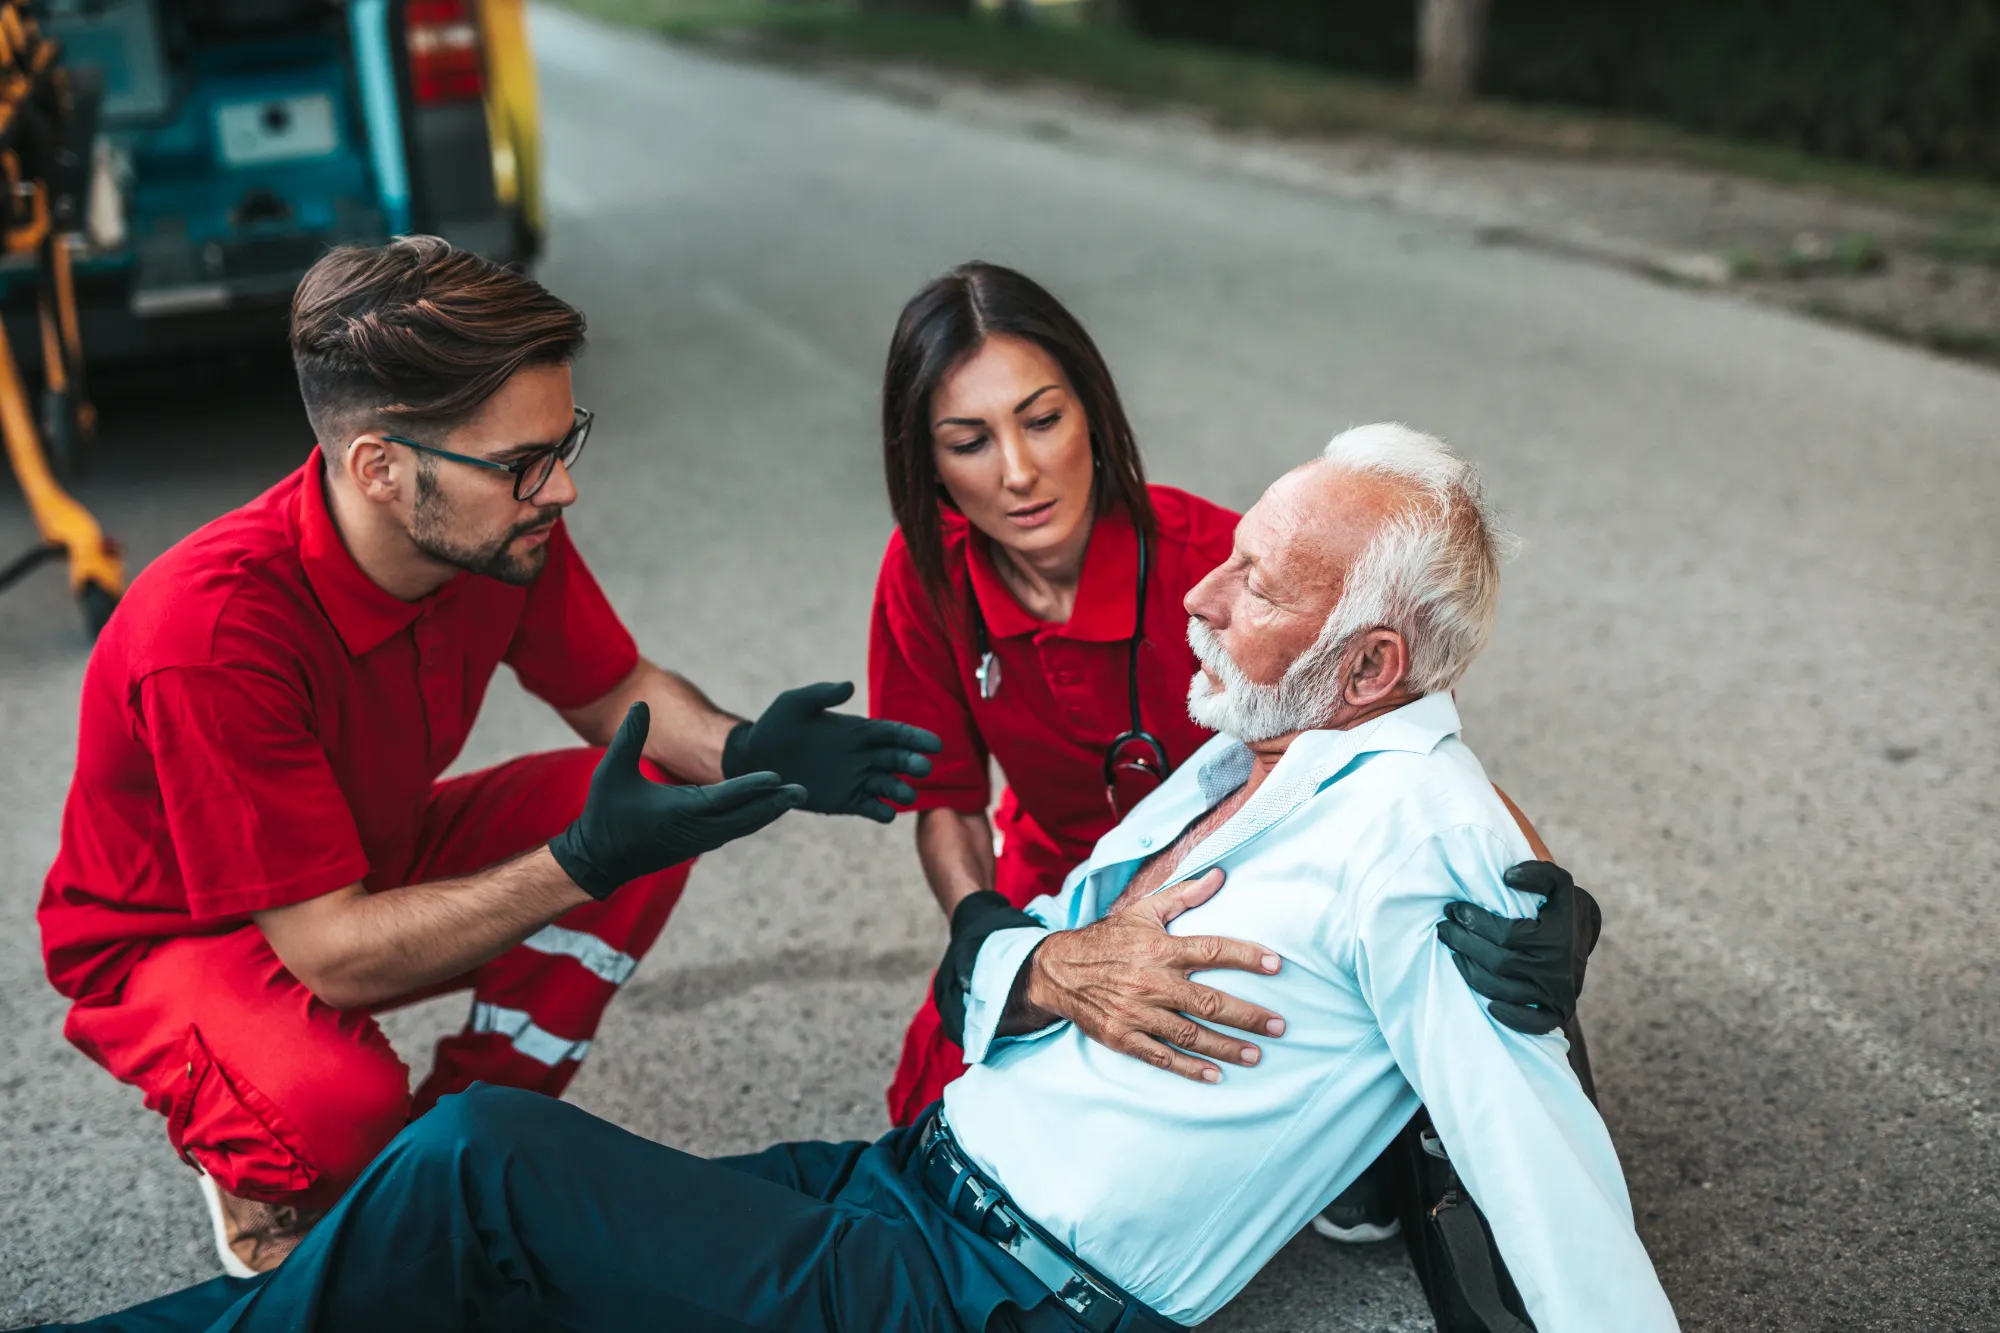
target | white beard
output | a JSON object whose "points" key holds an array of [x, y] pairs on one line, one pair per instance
{"points": [[1307, 696]]}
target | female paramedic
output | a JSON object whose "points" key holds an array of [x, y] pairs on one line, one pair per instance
{"points": [[1029, 610]]}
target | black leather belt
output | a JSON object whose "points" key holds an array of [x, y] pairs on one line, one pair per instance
{"points": [[951, 1178]]}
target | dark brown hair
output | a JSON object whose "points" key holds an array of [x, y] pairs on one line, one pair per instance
{"points": [[941, 326], [417, 335]]}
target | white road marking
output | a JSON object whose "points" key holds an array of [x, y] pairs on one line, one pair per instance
{"points": [[1793, 992]]}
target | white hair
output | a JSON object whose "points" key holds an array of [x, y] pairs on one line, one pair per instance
{"points": [[1432, 574]]}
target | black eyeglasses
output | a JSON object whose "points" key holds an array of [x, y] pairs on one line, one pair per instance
{"points": [[530, 473]]}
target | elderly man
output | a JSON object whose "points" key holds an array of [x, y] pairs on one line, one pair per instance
{"points": [[1333, 820]]}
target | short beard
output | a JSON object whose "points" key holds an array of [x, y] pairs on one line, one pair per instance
{"points": [[430, 532], [1306, 697]]}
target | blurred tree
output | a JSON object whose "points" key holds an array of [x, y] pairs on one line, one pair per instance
{"points": [[1912, 85], [1017, 13], [1451, 35]]}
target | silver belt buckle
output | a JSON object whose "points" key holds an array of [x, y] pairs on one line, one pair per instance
{"points": [[1076, 1290]]}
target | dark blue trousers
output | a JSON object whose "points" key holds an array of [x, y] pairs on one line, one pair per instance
{"points": [[503, 1210]]}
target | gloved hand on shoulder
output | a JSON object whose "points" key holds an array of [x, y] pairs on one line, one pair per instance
{"points": [[1530, 969]]}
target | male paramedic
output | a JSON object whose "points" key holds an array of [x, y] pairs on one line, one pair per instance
{"points": [[257, 852]]}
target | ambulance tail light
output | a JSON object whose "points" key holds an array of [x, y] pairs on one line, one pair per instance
{"points": [[446, 63]]}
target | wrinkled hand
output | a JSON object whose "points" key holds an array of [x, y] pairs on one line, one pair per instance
{"points": [[1531, 971], [1123, 981], [633, 826], [848, 765]]}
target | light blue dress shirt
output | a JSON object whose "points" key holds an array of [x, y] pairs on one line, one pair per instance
{"points": [[1341, 863]]}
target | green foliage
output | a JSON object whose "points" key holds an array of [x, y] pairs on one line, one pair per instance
{"points": [[1242, 88], [1812, 256], [691, 17], [1970, 240], [1905, 84]]}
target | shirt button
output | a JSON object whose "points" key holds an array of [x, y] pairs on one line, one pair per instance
{"points": [[1064, 677], [1145, 842]]}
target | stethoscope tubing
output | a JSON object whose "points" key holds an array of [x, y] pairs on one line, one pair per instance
{"points": [[986, 673]]}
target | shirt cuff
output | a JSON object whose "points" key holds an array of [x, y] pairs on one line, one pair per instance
{"points": [[993, 975], [965, 800]]}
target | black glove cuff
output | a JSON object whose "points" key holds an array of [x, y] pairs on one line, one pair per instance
{"points": [[1589, 928], [567, 848], [736, 751], [977, 916]]}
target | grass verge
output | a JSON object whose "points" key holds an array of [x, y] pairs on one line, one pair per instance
{"points": [[1980, 345], [1258, 92]]}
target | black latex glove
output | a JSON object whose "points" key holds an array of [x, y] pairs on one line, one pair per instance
{"points": [[633, 826], [1530, 971], [848, 765]]}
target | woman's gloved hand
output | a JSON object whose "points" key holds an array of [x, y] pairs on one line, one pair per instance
{"points": [[1530, 970], [633, 826], [848, 765]]}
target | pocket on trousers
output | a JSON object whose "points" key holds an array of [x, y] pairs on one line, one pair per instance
{"points": [[226, 1127]]}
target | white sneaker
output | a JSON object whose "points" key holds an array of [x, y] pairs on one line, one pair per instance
{"points": [[219, 1224], [1360, 1233], [1364, 1213], [252, 1237]]}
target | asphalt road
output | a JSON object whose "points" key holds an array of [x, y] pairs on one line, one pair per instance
{"points": [[1744, 675]]}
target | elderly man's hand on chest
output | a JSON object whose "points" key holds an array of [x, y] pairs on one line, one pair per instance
{"points": [[1123, 980]]}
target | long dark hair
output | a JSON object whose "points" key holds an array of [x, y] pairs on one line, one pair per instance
{"points": [[942, 325]]}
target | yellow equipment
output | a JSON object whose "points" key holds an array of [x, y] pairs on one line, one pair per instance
{"points": [[46, 115], [513, 113]]}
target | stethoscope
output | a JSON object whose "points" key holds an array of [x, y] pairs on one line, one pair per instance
{"points": [[1137, 759]]}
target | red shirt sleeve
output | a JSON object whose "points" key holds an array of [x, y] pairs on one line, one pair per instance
{"points": [[570, 648], [913, 677], [256, 815]]}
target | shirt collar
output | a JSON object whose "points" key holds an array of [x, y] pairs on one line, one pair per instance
{"points": [[362, 612], [1105, 592], [1221, 766]]}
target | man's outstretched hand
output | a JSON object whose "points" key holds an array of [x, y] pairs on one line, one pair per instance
{"points": [[1123, 981], [848, 765], [1530, 971], [633, 826]]}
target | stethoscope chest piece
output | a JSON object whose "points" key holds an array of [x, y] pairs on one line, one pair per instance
{"points": [[988, 675], [1136, 761]]}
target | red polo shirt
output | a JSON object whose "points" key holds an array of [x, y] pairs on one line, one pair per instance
{"points": [[1062, 697], [261, 724]]}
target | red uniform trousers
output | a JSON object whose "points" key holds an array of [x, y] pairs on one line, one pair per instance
{"points": [[285, 1099], [1029, 865]]}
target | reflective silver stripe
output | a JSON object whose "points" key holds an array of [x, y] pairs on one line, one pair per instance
{"points": [[592, 952], [538, 1044]]}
